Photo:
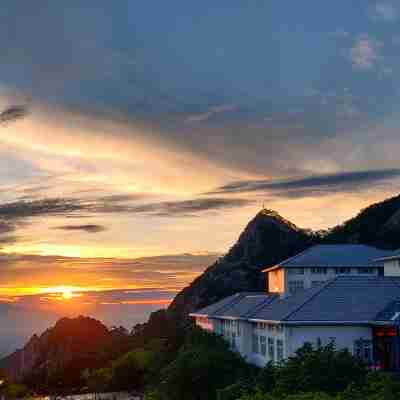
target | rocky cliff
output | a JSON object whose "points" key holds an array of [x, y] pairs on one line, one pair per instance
{"points": [[267, 239]]}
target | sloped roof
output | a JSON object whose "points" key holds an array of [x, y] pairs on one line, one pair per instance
{"points": [[391, 255], [337, 255], [342, 300], [236, 306], [356, 299]]}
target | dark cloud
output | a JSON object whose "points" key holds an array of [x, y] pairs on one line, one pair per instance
{"points": [[190, 207], [323, 184], [13, 113], [89, 228], [17, 213]]}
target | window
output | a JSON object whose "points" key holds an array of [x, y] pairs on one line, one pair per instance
{"points": [[263, 345], [368, 270], [255, 346], [238, 328], [279, 349], [363, 350], [271, 349], [295, 271], [294, 286], [318, 270]]}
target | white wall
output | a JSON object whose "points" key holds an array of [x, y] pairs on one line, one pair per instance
{"points": [[344, 336], [391, 267]]}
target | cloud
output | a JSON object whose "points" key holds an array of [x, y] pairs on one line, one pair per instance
{"points": [[89, 228], [365, 53], [13, 113], [211, 112], [22, 212], [317, 184], [190, 207], [386, 11]]}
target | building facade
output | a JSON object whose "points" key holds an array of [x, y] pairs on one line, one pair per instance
{"points": [[358, 311]]}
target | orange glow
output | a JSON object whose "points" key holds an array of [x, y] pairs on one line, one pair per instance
{"points": [[138, 302], [60, 293]]}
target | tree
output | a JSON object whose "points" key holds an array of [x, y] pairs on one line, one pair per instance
{"points": [[320, 369], [204, 365]]}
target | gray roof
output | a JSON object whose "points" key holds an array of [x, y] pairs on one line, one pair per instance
{"points": [[356, 299], [344, 299], [237, 306], [337, 255]]}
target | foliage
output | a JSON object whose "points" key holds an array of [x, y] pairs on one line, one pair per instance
{"points": [[11, 390], [203, 365], [321, 369]]}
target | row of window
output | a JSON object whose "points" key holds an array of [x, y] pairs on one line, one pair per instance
{"points": [[338, 270], [262, 326], [263, 346], [228, 326]]}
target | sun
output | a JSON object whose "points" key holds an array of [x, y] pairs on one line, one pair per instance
{"points": [[67, 294]]}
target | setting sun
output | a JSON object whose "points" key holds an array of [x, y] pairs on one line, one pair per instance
{"points": [[67, 294]]}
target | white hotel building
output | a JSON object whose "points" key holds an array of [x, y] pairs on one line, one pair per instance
{"points": [[346, 293]]}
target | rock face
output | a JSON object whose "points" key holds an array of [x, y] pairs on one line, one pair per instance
{"points": [[267, 239], [71, 339]]}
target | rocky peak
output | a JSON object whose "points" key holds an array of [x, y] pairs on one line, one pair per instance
{"points": [[266, 240]]}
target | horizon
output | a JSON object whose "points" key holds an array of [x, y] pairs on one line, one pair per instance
{"points": [[138, 140]]}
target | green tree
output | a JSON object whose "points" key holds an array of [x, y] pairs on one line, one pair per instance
{"points": [[204, 365], [320, 369]]}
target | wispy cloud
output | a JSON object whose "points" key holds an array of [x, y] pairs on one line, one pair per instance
{"points": [[89, 228], [211, 112], [190, 207], [365, 53], [321, 184], [22, 212], [13, 113]]}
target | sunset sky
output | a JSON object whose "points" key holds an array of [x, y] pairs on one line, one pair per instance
{"points": [[147, 134]]}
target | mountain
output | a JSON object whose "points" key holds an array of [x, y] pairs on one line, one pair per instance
{"points": [[377, 225], [71, 345], [269, 239]]}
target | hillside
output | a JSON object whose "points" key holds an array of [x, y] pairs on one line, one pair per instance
{"points": [[269, 239], [72, 344]]}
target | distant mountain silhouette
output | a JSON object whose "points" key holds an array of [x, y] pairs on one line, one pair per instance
{"points": [[268, 239], [71, 345]]}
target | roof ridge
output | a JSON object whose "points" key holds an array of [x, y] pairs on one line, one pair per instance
{"points": [[323, 286]]}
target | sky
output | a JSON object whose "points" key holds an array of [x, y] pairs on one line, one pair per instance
{"points": [[137, 139]]}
